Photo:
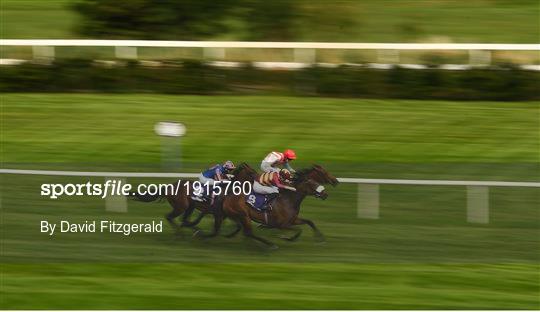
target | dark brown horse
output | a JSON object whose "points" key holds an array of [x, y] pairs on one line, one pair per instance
{"points": [[316, 173], [244, 173], [283, 215], [182, 203]]}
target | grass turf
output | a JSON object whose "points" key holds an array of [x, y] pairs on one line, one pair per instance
{"points": [[270, 286], [421, 254], [490, 21], [116, 128]]}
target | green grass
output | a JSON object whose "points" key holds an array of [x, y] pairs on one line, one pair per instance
{"points": [[421, 253], [35, 19], [83, 128], [490, 21], [270, 286]]}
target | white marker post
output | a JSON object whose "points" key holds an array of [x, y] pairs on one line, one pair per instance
{"points": [[171, 133], [368, 201], [113, 202]]}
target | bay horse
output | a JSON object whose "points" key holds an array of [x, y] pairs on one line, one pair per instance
{"points": [[316, 172], [243, 173], [182, 203]]}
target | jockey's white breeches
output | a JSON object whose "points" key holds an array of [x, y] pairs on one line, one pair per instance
{"points": [[261, 189], [204, 180], [267, 167]]}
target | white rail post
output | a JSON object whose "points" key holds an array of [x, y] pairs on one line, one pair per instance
{"points": [[116, 203], [478, 204], [305, 56], [479, 57], [388, 56], [214, 53], [122, 52], [43, 53], [368, 201]]}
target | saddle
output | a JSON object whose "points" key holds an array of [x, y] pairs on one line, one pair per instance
{"points": [[261, 202]]}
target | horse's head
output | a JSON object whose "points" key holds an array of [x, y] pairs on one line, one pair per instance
{"points": [[319, 174], [244, 173], [310, 187]]}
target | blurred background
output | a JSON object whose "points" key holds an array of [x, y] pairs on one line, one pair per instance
{"points": [[385, 113]]}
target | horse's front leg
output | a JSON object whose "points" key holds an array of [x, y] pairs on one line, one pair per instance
{"points": [[217, 212], [188, 213], [175, 212], [236, 230], [194, 223], [318, 235], [218, 220]]}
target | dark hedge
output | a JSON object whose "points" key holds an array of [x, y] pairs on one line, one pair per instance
{"points": [[191, 77]]}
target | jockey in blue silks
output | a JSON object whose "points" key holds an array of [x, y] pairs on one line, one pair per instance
{"points": [[215, 174]]}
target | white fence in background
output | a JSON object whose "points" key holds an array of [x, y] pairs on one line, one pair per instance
{"points": [[368, 190], [304, 52]]}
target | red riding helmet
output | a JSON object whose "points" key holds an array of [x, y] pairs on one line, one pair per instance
{"points": [[289, 154]]}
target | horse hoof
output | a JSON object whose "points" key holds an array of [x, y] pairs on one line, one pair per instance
{"points": [[289, 239], [197, 233], [320, 239]]}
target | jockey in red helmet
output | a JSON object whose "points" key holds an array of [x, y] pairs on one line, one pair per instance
{"points": [[274, 159], [269, 184]]}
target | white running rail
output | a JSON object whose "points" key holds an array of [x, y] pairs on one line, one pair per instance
{"points": [[304, 52], [368, 189], [194, 175], [271, 45]]}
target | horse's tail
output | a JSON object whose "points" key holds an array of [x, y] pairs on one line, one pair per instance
{"points": [[147, 198]]}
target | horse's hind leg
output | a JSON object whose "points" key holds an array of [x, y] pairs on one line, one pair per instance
{"points": [[235, 231], [248, 232], [175, 213], [318, 235], [188, 213]]}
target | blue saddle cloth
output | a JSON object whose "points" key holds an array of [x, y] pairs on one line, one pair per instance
{"points": [[256, 200]]}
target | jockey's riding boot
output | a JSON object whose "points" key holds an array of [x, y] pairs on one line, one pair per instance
{"points": [[269, 199]]}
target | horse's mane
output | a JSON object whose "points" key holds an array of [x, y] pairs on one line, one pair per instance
{"points": [[301, 174], [240, 167], [245, 166]]}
